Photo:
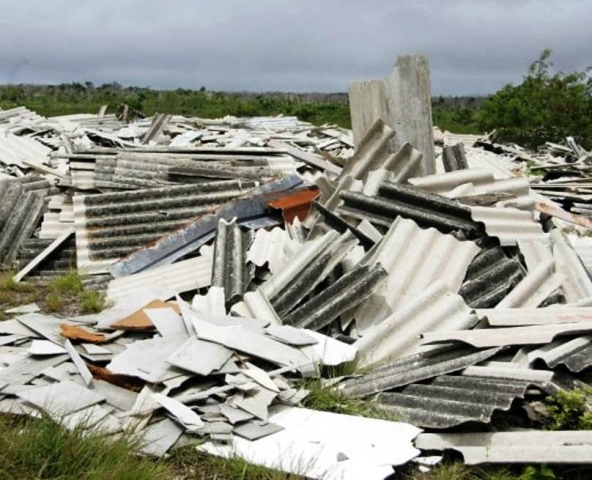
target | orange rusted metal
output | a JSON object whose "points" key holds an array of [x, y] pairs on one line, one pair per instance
{"points": [[74, 332], [139, 320], [296, 204], [558, 212], [123, 381]]}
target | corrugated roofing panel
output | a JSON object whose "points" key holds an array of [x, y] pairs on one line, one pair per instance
{"points": [[497, 337], [575, 354], [519, 317], [415, 368], [111, 225], [429, 256], [576, 280], [508, 224], [449, 401], [435, 309], [583, 247], [23, 152], [573, 447], [179, 277]]}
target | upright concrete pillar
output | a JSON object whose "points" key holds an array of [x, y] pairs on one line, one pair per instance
{"points": [[403, 101]]}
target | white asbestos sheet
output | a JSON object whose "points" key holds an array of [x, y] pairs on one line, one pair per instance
{"points": [[159, 437], [325, 445], [199, 356], [328, 351], [570, 447], [146, 359], [167, 322], [183, 414], [61, 398], [290, 335], [45, 347]]}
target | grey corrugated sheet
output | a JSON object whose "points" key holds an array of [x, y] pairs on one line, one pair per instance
{"points": [[453, 400], [398, 335], [21, 206], [158, 124], [415, 368], [535, 251], [111, 225], [490, 277], [454, 157], [520, 317], [426, 209], [344, 294], [428, 256], [575, 354], [17, 116], [134, 169], [179, 277], [231, 271], [574, 447], [534, 289]]}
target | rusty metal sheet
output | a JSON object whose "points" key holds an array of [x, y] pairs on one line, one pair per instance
{"points": [[296, 205]]}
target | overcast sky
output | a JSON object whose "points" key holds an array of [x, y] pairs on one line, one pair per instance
{"points": [[291, 45]]}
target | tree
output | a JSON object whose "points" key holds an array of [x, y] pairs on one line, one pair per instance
{"points": [[546, 106]]}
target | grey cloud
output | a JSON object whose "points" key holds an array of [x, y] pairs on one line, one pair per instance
{"points": [[293, 45]]}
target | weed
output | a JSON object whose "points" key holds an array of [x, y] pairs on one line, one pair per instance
{"points": [[70, 282], [569, 410], [190, 463], [330, 400], [53, 303], [91, 301]]}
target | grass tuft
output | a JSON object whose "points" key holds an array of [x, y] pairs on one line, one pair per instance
{"points": [[191, 464], [328, 399], [91, 301], [70, 282], [40, 448], [53, 303]]}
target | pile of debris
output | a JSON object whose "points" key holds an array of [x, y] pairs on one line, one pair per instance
{"points": [[242, 256]]}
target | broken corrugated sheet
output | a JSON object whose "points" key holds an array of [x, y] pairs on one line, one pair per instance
{"points": [[513, 447]]}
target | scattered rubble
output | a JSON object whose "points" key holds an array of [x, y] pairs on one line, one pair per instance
{"points": [[243, 255]]}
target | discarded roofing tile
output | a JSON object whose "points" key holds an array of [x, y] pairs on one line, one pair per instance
{"points": [[427, 209], [74, 332], [189, 238], [199, 356], [256, 305], [576, 280], [496, 337], [183, 414], [428, 256], [255, 430], [508, 224], [575, 354], [61, 398], [230, 270], [314, 272], [295, 205], [415, 368], [159, 437], [569, 447], [20, 211], [436, 309], [453, 400], [45, 347], [454, 157], [112, 225], [347, 292], [490, 277], [290, 335]]}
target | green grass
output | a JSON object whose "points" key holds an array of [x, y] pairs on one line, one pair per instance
{"points": [[328, 399], [191, 464], [70, 282], [39, 448], [91, 301]]}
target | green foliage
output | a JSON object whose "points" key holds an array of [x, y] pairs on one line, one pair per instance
{"points": [[91, 301], [70, 282], [542, 472], [39, 448], [546, 106], [570, 410]]}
